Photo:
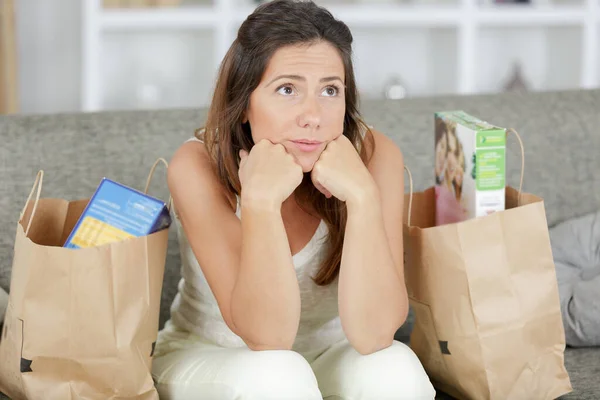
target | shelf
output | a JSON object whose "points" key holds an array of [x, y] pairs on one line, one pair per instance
{"points": [[145, 70], [527, 16], [359, 15], [406, 16], [591, 48], [550, 58], [423, 59], [433, 47], [179, 18]]}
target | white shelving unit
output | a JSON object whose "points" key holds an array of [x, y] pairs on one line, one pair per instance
{"points": [[445, 45]]}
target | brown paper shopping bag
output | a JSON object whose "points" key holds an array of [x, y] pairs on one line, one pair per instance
{"points": [[485, 297], [80, 324]]}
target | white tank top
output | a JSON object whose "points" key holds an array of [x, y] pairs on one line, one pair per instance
{"points": [[195, 308]]}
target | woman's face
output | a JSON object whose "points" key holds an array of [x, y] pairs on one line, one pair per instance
{"points": [[300, 101], [440, 153]]}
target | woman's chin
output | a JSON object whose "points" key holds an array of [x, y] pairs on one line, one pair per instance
{"points": [[307, 163], [307, 167]]}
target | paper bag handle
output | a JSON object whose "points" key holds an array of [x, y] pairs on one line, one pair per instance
{"points": [[151, 174], [37, 184], [511, 130], [410, 197]]}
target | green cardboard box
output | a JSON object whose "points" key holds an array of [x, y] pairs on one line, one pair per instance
{"points": [[470, 167]]}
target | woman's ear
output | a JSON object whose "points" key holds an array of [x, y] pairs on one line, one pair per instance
{"points": [[244, 117]]}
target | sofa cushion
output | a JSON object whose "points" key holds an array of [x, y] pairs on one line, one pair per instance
{"points": [[576, 249]]}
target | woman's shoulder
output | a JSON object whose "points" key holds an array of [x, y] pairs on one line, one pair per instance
{"points": [[191, 170], [385, 153], [191, 157], [383, 144]]}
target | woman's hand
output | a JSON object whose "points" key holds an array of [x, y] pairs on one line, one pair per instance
{"points": [[268, 175], [340, 172]]}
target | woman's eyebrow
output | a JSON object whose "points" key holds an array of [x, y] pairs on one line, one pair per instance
{"points": [[301, 78], [332, 78]]}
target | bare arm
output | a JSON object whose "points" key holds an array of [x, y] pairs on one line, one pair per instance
{"points": [[266, 297], [373, 300], [247, 265]]}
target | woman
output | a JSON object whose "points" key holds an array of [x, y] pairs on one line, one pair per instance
{"points": [[290, 224]]}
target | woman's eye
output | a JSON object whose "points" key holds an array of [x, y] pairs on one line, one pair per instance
{"points": [[331, 91], [286, 90]]}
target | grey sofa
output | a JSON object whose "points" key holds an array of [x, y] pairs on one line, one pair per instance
{"points": [[561, 133]]}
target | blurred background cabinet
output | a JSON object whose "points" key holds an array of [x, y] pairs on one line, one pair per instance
{"points": [[89, 55]]}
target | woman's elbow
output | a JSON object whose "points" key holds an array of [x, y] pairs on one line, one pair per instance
{"points": [[371, 342], [402, 316], [257, 341], [366, 347], [270, 345]]}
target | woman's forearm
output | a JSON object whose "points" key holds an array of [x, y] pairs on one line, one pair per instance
{"points": [[373, 301], [265, 303]]}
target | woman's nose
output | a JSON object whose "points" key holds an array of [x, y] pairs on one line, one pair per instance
{"points": [[310, 115]]}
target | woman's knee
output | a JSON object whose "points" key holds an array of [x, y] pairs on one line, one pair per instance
{"points": [[239, 374], [403, 374], [283, 374], [391, 373]]}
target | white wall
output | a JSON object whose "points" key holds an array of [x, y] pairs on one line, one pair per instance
{"points": [[48, 43]]}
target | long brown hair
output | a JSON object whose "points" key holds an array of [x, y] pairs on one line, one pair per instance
{"points": [[271, 26]]}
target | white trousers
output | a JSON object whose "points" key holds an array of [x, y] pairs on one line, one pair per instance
{"points": [[190, 369]]}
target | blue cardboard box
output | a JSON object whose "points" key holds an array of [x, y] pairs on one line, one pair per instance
{"points": [[116, 212]]}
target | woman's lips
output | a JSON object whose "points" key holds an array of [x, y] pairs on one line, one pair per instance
{"points": [[307, 145]]}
